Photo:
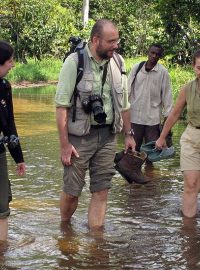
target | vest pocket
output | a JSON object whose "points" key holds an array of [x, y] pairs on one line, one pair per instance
{"points": [[86, 83], [119, 95], [81, 126]]}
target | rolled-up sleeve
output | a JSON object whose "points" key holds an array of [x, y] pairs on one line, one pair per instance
{"points": [[126, 103], [167, 99], [66, 83], [131, 77]]}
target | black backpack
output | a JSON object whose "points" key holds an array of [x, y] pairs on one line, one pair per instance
{"points": [[77, 45]]}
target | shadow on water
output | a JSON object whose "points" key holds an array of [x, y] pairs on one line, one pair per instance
{"points": [[143, 227]]}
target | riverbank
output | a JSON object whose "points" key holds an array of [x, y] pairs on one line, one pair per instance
{"points": [[28, 84]]}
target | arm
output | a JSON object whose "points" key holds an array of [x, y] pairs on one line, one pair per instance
{"points": [[172, 118], [167, 100], [64, 92], [15, 152], [66, 148], [131, 78], [129, 140]]}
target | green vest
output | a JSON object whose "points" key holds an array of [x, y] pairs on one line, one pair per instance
{"points": [[193, 103]]}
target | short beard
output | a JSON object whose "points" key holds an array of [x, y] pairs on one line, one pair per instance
{"points": [[103, 55]]}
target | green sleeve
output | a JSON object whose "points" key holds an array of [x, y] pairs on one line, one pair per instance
{"points": [[66, 83]]}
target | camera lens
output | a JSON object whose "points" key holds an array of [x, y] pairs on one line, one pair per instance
{"points": [[94, 104], [97, 109], [100, 117]]}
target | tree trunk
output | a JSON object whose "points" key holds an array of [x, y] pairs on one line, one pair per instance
{"points": [[85, 12]]}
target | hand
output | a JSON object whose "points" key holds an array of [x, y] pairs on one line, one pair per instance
{"points": [[160, 143], [129, 143], [21, 168], [66, 154]]}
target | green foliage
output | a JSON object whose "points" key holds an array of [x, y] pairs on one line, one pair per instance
{"points": [[35, 28], [180, 20], [137, 21], [179, 77], [41, 29], [129, 62], [34, 71], [40, 91]]}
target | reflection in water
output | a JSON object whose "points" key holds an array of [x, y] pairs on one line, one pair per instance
{"points": [[143, 228], [73, 247], [190, 232], [69, 245]]}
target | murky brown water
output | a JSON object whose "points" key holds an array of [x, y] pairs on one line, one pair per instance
{"points": [[143, 227]]}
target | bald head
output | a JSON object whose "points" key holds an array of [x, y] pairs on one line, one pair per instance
{"points": [[104, 39], [100, 26]]}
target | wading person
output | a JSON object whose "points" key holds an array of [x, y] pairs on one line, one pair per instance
{"points": [[8, 136], [101, 108], [189, 97], [150, 96]]}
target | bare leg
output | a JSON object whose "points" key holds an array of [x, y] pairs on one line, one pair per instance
{"points": [[68, 205], [97, 209], [190, 193], [3, 229]]}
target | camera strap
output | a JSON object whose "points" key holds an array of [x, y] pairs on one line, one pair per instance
{"points": [[80, 69], [105, 71]]}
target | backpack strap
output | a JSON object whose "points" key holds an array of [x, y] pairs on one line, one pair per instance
{"points": [[80, 69], [141, 64], [119, 63], [80, 66]]}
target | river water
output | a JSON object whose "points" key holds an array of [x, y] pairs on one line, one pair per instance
{"points": [[143, 226]]}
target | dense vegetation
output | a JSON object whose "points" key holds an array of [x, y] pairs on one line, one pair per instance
{"points": [[41, 29], [48, 70]]}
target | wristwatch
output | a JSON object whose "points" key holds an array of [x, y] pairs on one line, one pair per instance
{"points": [[129, 133]]}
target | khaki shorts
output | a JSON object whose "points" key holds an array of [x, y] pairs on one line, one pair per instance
{"points": [[96, 151], [190, 149]]}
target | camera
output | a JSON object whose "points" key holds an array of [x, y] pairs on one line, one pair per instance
{"points": [[94, 104]]}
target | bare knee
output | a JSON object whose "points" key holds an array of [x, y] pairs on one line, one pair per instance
{"points": [[68, 198], [191, 186], [100, 195]]}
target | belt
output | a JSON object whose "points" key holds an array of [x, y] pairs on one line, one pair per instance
{"points": [[101, 126]]}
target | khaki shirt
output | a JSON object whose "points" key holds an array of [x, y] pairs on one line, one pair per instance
{"points": [[67, 80], [150, 95]]}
